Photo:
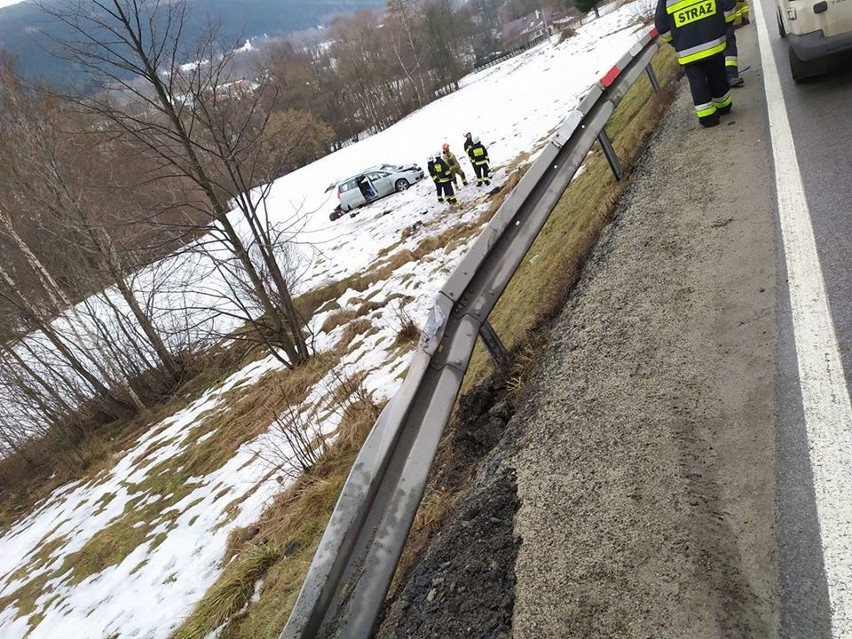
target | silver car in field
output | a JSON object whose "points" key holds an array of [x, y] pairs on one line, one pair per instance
{"points": [[376, 182]]}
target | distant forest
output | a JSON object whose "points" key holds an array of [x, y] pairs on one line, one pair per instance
{"points": [[26, 31]]}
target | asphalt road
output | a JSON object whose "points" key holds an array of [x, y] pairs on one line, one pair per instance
{"points": [[821, 125], [646, 456]]}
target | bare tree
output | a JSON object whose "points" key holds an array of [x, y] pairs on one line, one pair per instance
{"points": [[196, 123], [46, 186], [445, 32], [367, 71], [408, 45]]}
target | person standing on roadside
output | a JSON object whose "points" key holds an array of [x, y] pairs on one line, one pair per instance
{"points": [[742, 13], [455, 167], [732, 63], [697, 30], [478, 155]]}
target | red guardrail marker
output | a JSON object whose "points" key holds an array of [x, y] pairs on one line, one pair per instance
{"points": [[610, 77]]}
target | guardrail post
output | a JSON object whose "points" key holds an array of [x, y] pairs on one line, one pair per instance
{"points": [[655, 84], [610, 154], [493, 344]]}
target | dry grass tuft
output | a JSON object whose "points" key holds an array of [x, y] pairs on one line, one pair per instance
{"points": [[523, 365], [354, 329], [566, 32], [338, 319], [232, 591], [407, 331]]}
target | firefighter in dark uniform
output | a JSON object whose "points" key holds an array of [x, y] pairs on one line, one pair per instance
{"points": [[478, 155], [443, 179], [742, 13], [468, 141], [732, 65], [697, 30], [430, 166]]}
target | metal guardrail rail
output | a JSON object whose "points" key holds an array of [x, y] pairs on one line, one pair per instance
{"points": [[352, 569]]}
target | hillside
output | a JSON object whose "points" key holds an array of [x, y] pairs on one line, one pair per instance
{"points": [[130, 551]]}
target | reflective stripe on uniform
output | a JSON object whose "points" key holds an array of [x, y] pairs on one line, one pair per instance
{"points": [[692, 54], [724, 101], [666, 37], [677, 5], [731, 15], [731, 61], [704, 110]]}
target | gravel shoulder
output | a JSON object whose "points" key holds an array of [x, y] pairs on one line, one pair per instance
{"points": [[639, 464], [645, 462]]}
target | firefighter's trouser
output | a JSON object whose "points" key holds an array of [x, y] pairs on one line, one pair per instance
{"points": [[445, 188], [481, 170], [743, 11], [731, 63], [709, 85], [459, 173]]}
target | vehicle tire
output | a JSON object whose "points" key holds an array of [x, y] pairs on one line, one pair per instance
{"points": [[401, 185], [781, 30], [800, 70]]}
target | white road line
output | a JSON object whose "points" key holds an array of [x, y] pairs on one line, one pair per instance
{"points": [[827, 410]]}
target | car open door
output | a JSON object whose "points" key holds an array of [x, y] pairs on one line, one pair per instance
{"points": [[350, 195], [381, 182]]}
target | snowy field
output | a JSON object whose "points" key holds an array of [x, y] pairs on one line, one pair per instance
{"points": [[512, 107]]}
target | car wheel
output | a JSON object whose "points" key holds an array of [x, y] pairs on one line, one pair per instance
{"points": [[800, 70], [401, 185]]}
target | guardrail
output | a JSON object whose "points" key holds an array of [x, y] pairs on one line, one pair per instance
{"points": [[352, 569]]}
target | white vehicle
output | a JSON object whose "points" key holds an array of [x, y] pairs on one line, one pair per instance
{"points": [[376, 182], [815, 30]]}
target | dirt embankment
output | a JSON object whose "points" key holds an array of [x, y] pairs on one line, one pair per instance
{"points": [[640, 463]]}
